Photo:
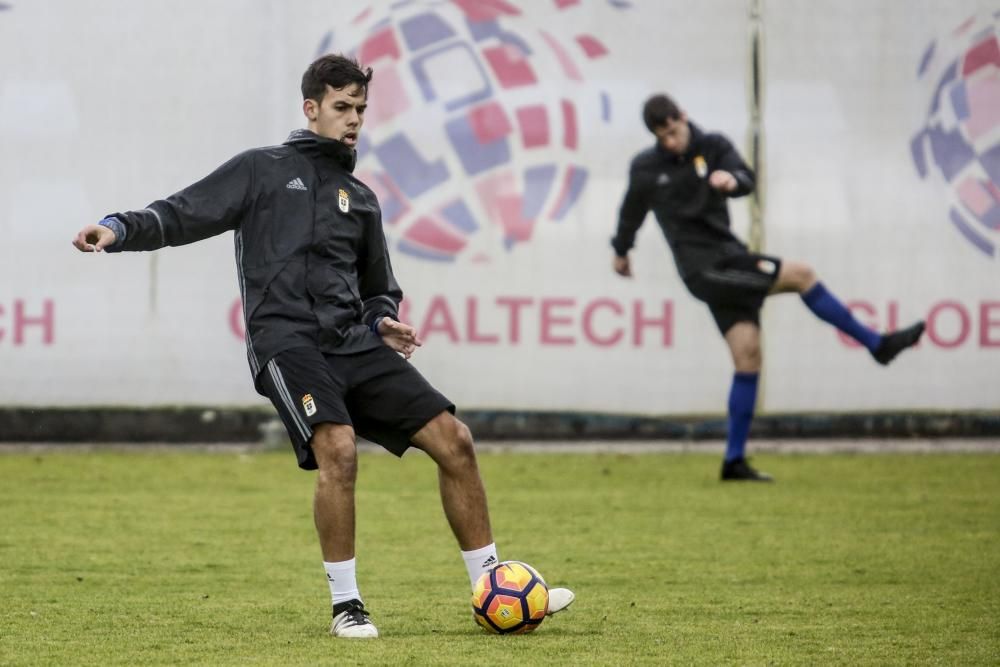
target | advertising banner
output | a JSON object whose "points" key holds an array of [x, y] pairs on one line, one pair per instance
{"points": [[498, 139]]}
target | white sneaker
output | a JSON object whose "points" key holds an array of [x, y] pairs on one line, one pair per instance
{"points": [[351, 620], [559, 599]]}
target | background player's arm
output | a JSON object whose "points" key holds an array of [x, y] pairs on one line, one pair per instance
{"points": [[731, 174], [631, 215]]}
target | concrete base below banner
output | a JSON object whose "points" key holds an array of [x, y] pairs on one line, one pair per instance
{"points": [[252, 425]]}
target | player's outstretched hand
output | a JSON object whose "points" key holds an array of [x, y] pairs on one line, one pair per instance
{"points": [[722, 181], [400, 337], [94, 238], [622, 266]]}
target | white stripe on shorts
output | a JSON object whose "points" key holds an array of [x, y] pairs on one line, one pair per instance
{"points": [[279, 382], [738, 277]]}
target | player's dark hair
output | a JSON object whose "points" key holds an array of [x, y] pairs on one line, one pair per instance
{"points": [[658, 110], [336, 70]]}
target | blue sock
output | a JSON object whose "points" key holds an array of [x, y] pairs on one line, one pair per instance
{"points": [[742, 397], [826, 307]]}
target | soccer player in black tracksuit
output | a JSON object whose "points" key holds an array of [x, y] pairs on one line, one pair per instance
{"points": [[320, 306], [686, 178]]}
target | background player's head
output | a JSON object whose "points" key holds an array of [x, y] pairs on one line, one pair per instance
{"points": [[666, 120], [335, 95]]}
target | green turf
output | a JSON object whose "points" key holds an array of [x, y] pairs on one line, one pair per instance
{"points": [[204, 559]]}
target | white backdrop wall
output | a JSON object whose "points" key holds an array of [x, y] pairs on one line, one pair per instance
{"points": [[107, 105]]}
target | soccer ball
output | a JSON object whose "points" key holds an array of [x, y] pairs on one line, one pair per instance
{"points": [[511, 598]]}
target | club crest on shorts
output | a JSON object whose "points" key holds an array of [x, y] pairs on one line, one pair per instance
{"points": [[700, 166], [766, 266], [308, 404], [343, 200]]}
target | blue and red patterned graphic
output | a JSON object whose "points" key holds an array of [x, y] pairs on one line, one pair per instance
{"points": [[473, 131], [962, 133]]}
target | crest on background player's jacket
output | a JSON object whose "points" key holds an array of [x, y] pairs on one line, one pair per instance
{"points": [[700, 166]]}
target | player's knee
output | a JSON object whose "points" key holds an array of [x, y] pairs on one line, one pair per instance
{"points": [[340, 465], [807, 277], [462, 440], [336, 452], [449, 442], [460, 447], [795, 276], [748, 358], [801, 276]]}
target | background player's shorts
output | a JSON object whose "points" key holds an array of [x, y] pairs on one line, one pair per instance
{"points": [[377, 392], [734, 288]]}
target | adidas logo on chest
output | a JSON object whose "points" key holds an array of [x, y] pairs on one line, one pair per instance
{"points": [[343, 196]]}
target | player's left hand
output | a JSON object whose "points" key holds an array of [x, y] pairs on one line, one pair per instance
{"points": [[94, 238], [722, 181], [400, 337], [622, 266]]}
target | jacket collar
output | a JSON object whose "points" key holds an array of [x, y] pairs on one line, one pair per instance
{"points": [[313, 145]]}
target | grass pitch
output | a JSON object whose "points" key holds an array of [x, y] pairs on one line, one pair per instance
{"points": [[199, 558]]}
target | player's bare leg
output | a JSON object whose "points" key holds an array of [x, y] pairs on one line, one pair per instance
{"points": [[801, 278], [336, 455], [333, 504], [743, 340], [794, 277], [449, 443]]}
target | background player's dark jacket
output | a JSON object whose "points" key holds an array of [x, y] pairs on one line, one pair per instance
{"points": [[694, 217], [310, 251]]}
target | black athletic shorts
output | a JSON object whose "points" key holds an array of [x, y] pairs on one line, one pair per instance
{"points": [[377, 392], [734, 288]]}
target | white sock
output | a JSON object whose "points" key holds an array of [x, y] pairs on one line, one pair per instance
{"points": [[479, 561], [343, 581]]}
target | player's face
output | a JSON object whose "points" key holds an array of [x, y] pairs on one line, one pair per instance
{"points": [[339, 115], [675, 136]]}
